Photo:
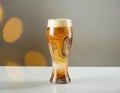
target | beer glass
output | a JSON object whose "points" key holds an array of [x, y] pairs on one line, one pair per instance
{"points": [[59, 36]]}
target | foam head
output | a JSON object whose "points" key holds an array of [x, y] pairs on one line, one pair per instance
{"points": [[59, 23]]}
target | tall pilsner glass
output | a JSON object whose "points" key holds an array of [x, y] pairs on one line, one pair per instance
{"points": [[59, 35]]}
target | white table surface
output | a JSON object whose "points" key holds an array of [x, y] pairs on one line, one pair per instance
{"points": [[36, 80]]}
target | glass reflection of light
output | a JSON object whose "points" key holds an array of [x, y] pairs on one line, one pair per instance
{"points": [[60, 88], [1, 13], [34, 58], [12, 30]]}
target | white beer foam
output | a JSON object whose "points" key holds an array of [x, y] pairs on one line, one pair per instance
{"points": [[59, 22]]}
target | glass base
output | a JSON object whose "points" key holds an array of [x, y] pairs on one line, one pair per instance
{"points": [[60, 81]]}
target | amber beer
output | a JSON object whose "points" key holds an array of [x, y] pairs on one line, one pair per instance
{"points": [[59, 35]]}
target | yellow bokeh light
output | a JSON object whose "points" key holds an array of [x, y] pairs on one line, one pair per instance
{"points": [[12, 30], [1, 13], [12, 63], [34, 58]]}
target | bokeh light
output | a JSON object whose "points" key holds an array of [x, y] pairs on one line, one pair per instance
{"points": [[1, 13], [12, 63], [33, 58], [12, 30]]}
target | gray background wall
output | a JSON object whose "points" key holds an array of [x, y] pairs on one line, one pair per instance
{"points": [[96, 25]]}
